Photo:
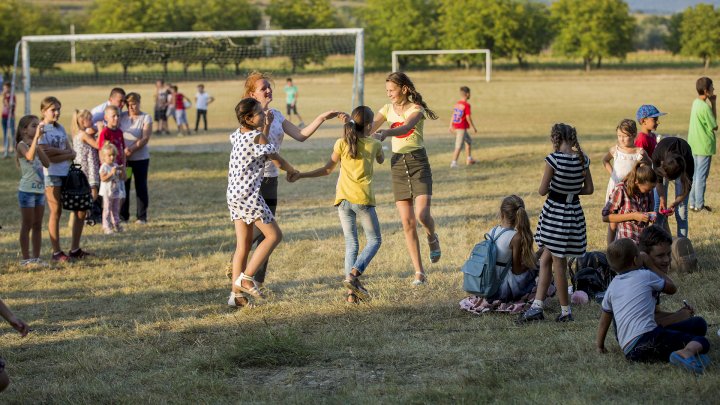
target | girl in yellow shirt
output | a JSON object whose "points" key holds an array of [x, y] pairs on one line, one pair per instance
{"points": [[354, 195], [410, 168]]}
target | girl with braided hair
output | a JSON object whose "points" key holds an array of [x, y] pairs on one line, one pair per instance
{"points": [[410, 167], [561, 227]]}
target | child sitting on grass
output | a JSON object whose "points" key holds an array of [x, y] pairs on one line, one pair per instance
{"points": [[629, 301]]}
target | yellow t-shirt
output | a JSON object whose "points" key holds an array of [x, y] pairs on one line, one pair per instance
{"points": [[413, 140], [356, 175]]}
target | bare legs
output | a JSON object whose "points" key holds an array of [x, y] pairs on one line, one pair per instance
{"points": [[244, 235], [552, 266], [410, 214], [52, 195], [31, 224]]}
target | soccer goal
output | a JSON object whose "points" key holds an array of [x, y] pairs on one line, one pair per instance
{"points": [[488, 57], [115, 59]]}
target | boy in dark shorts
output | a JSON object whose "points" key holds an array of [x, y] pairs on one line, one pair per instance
{"points": [[161, 104], [629, 301]]}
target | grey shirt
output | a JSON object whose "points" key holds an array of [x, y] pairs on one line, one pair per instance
{"points": [[132, 132], [630, 300]]}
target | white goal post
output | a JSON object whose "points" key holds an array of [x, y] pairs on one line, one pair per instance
{"points": [[72, 40], [488, 57]]}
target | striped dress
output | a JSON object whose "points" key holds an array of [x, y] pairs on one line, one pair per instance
{"points": [[561, 227]]}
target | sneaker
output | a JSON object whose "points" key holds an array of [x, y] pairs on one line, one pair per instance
{"points": [[453, 165], [354, 285], [108, 231], [141, 222], [27, 262], [80, 254], [532, 314], [471, 161], [119, 229], [565, 318], [706, 208], [60, 257], [40, 262]]}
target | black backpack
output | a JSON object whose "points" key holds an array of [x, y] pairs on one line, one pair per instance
{"points": [[75, 193], [590, 273]]}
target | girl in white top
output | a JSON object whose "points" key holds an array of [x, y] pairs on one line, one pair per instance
{"points": [[31, 191], [624, 155], [258, 86]]}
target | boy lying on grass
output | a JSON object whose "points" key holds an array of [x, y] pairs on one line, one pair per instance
{"points": [[629, 301]]}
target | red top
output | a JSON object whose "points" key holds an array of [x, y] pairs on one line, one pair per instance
{"points": [[6, 106], [647, 142], [179, 101], [114, 136], [460, 113]]}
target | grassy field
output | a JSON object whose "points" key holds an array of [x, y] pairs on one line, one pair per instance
{"points": [[146, 321]]}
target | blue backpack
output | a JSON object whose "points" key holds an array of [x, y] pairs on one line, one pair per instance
{"points": [[479, 275]]}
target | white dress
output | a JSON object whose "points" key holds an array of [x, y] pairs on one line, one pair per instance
{"points": [[245, 174], [623, 163]]}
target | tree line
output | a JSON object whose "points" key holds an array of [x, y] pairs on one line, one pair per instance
{"points": [[591, 30]]}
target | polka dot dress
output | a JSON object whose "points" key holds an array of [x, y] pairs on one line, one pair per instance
{"points": [[245, 173]]}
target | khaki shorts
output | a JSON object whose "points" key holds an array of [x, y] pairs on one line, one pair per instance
{"points": [[462, 136]]}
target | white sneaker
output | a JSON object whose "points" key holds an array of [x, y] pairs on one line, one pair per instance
{"points": [[453, 165]]}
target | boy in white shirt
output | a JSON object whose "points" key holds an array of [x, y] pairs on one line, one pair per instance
{"points": [[202, 100], [629, 301]]}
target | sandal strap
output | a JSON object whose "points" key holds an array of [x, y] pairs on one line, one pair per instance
{"points": [[246, 277]]}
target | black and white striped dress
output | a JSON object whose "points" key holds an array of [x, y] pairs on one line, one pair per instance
{"points": [[561, 227]]}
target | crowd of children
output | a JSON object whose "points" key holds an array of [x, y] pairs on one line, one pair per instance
{"points": [[639, 165]]}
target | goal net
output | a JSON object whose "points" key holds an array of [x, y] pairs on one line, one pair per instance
{"points": [[117, 59], [449, 52]]}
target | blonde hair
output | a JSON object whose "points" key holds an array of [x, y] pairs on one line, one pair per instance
{"points": [[109, 148], [512, 209], [132, 98], [77, 116]]}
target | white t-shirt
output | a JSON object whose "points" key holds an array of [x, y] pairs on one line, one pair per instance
{"points": [[112, 187], [629, 298], [132, 132], [56, 137], [275, 137], [98, 113], [202, 100]]}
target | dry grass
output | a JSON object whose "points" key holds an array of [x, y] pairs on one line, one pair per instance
{"points": [[146, 320]]}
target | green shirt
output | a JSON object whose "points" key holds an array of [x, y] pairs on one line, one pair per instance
{"points": [[701, 136], [290, 94]]}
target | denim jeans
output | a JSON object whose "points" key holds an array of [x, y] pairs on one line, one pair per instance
{"points": [[681, 210], [702, 170], [349, 213], [8, 127]]}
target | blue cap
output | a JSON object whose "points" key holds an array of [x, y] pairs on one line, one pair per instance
{"points": [[648, 111]]}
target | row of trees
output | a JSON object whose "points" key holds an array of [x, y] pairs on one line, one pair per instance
{"points": [[590, 30]]}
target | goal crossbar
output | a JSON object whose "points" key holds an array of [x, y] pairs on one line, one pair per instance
{"points": [[358, 72], [488, 57]]}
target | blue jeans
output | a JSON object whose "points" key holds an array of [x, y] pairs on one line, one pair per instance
{"points": [[702, 170], [8, 126], [659, 343], [349, 213], [681, 210]]}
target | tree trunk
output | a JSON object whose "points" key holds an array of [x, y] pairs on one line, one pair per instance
{"points": [[125, 70], [237, 68], [520, 61], [96, 70], [707, 62], [202, 68], [599, 62], [165, 69], [186, 66], [467, 64], [587, 62]]}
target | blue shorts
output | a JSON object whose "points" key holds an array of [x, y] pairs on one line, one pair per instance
{"points": [[54, 181], [31, 200]]}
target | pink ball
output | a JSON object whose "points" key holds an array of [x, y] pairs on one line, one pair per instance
{"points": [[579, 298]]}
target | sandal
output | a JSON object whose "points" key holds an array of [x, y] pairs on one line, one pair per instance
{"points": [[692, 364], [353, 284], [435, 252], [239, 300], [351, 298], [252, 291], [421, 281]]}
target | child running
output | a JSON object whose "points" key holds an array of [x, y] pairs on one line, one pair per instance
{"points": [[459, 125], [355, 197], [561, 227], [514, 243], [624, 155], [631, 203], [250, 151], [86, 152], [112, 189], [629, 301], [31, 191], [410, 167]]}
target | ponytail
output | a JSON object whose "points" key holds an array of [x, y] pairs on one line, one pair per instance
{"points": [[354, 129], [512, 209], [641, 173]]}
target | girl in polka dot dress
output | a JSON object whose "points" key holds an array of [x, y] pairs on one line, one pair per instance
{"points": [[250, 151]]}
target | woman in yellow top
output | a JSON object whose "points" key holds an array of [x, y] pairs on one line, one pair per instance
{"points": [[354, 195], [410, 167]]}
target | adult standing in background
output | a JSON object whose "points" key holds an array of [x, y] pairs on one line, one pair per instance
{"points": [[137, 129], [117, 98]]}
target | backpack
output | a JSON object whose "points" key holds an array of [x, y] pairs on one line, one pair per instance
{"points": [[479, 275], [590, 273], [75, 193], [683, 258]]}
